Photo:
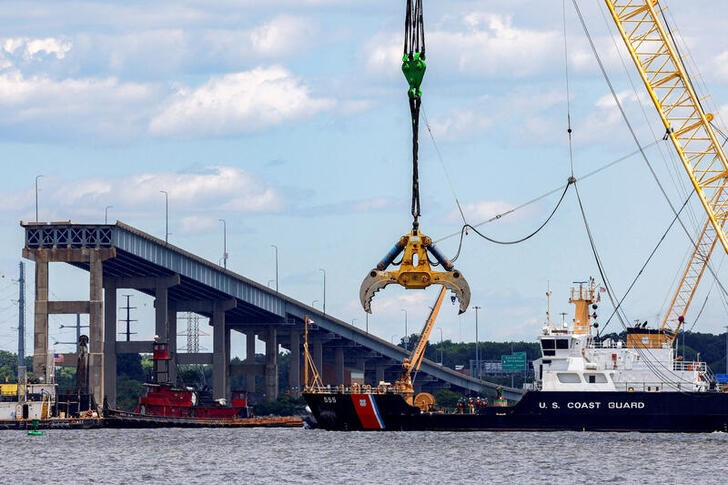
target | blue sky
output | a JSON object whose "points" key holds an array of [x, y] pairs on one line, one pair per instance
{"points": [[289, 120]]}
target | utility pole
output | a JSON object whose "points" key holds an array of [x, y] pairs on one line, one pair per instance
{"points": [[224, 243], [21, 325]]}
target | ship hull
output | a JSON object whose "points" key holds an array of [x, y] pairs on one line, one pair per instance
{"points": [[536, 411], [121, 419]]}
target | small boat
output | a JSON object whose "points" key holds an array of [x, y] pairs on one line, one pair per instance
{"points": [[167, 405], [37, 406]]}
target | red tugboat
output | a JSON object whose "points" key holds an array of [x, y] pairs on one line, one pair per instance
{"points": [[167, 405]]}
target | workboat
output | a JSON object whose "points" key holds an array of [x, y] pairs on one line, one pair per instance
{"points": [[581, 383], [42, 405], [166, 404]]}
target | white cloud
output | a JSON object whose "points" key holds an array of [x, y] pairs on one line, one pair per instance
{"points": [[238, 103], [194, 194], [282, 36], [482, 44], [28, 48], [71, 107], [477, 212], [460, 124], [227, 188]]}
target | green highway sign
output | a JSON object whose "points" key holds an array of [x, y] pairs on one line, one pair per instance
{"points": [[513, 362]]}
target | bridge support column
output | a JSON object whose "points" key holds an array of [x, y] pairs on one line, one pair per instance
{"points": [[271, 365], [110, 376], [96, 326], [220, 355], [161, 309], [172, 339], [294, 373], [40, 329], [250, 359], [339, 359]]}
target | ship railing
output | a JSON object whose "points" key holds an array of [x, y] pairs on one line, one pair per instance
{"points": [[342, 389], [661, 386], [682, 365]]}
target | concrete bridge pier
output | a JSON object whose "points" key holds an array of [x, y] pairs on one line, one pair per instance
{"points": [[294, 373], [220, 355], [110, 341], [271, 364], [339, 365], [250, 362]]}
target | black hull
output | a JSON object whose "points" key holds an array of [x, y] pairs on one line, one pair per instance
{"points": [[536, 411]]}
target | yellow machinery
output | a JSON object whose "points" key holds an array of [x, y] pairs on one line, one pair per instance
{"points": [[415, 271], [688, 127], [403, 385]]}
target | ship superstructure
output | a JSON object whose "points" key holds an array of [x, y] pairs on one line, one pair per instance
{"points": [[574, 359]]}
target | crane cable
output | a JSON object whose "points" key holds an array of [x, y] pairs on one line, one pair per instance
{"points": [[637, 142], [413, 68]]}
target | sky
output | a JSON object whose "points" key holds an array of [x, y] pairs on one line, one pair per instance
{"points": [[289, 120]]}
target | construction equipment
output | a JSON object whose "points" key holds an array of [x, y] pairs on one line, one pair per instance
{"points": [[412, 364], [415, 269], [688, 127]]}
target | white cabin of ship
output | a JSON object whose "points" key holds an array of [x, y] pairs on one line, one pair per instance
{"points": [[572, 360]]}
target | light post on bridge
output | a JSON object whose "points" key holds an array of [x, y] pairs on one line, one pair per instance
{"points": [[166, 215], [36, 196], [106, 213], [224, 243], [324, 272], [276, 248]]}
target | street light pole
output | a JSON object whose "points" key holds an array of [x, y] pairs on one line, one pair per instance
{"points": [[106, 213], [352, 321], [477, 355], [406, 331], [166, 215], [313, 303], [224, 243], [324, 272], [36, 196], [367, 317], [276, 248]]}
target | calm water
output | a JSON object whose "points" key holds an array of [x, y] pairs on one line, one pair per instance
{"points": [[303, 456]]}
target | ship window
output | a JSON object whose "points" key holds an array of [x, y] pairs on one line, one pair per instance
{"points": [[548, 343], [596, 378], [549, 353], [568, 378], [562, 343]]}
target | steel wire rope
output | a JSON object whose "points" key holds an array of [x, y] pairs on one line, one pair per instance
{"points": [[634, 136], [444, 168], [675, 168], [644, 156], [551, 192]]}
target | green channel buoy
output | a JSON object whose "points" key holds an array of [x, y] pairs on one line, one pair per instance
{"points": [[35, 431]]}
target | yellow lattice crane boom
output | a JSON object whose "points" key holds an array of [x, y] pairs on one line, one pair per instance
{"points": [[687, 126]]}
